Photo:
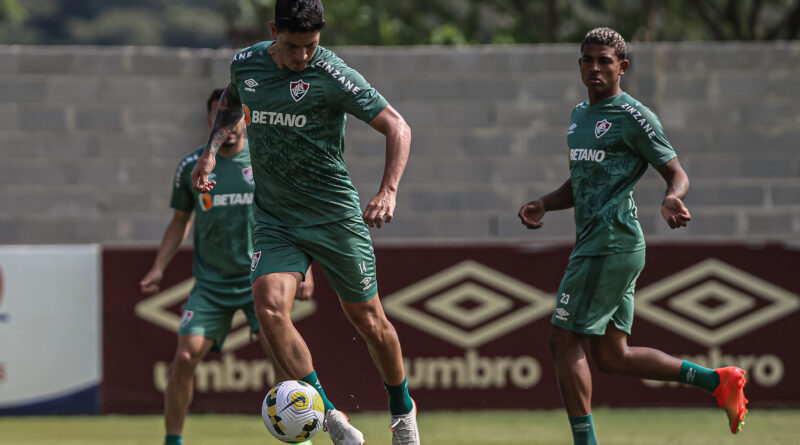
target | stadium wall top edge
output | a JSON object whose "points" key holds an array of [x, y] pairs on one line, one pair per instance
{"points": [[412, 50]]}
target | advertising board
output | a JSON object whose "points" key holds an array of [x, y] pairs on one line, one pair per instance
{"points": [[50, 359], [473, 322]]}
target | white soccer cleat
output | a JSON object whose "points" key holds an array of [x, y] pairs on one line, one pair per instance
{"points": [[338, 427], [404, 428]]}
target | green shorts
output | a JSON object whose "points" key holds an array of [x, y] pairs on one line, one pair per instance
{"points": [[342, 248], [596, 290], [209, 313]]}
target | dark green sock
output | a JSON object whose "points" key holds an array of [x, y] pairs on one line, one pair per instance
{"points": [[399, 401], [583, 430], [696, 375], [173, 439], [312, 380]]}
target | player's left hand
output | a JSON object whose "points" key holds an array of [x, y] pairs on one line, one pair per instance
{"points": [[675, 212], [305, 289], [203, 168], [380, 209]]}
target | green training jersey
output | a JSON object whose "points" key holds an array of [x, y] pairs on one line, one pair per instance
{"points": [[610, 144], [295, 126], [223, 220]]}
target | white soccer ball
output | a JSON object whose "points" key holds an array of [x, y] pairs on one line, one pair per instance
{"points": [[293, 411]]}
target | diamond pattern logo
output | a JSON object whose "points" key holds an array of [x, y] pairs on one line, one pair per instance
{"points": [[251, 85], [468, 304], [155, 309], [713, 303]]}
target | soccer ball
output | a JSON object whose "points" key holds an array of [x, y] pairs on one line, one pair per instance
{"points": [[293, 411]]}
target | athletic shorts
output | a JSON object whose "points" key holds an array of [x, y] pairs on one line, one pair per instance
{"points": [[209, 313], [596, 290], [343, 249]]}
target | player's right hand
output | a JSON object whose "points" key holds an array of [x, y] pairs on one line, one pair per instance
{"points": [[150, 282], [203, 168], [531, 214], [675, 212]]}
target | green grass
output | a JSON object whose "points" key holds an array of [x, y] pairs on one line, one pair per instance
{"points": [[655, 426]]}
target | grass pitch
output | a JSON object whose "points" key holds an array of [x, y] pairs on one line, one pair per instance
{"points": [[651, 426]]}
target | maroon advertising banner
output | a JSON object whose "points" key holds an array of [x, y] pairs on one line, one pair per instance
{"points": [[473, 322]]}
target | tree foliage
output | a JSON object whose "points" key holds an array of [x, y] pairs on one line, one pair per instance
{"points": [[11, 12], [215, 23]]}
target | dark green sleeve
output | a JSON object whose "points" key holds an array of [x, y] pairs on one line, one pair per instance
{"points": [[182, 194], [362, 101], [644, 135], [234, 88], [244, 59]]}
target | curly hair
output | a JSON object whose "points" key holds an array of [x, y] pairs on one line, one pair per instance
{"points": [[606, 37]]}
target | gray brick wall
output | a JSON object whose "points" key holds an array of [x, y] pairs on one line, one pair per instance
{"points": [[89, 137]]}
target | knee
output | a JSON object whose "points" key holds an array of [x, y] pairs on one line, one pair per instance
{"points": [[367, 325], [185, 362], [272, 308], [270, 313], [606, 366], [609, 361], [272, 302], [370, 325]]}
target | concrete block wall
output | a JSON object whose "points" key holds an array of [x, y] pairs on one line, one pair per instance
{"points": [[90, 137]]}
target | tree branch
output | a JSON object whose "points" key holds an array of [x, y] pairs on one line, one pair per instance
{"points": [[790, 22], [552, 20], [732, 12], [700, 7], [752, 19], [794, 24]]}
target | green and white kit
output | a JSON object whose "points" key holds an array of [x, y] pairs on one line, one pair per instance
{"points": [[295, 127], [610, 145], [223, 224]]}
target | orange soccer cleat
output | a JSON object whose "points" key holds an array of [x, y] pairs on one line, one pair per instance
{"points": [[730, 395]]}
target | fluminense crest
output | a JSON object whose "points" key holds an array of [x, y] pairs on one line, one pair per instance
{"points": [[298, 89]]}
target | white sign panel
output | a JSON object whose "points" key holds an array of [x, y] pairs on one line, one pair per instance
{"points": [[50, 350]]}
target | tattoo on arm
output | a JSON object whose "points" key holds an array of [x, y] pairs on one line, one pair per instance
{"points": [[229, 112]]}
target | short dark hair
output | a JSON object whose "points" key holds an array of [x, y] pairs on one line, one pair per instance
{"points": [[299, 15], [215, 95], [606, 37]]}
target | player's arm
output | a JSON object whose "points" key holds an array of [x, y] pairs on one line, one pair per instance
{"points": [[673, 209], [229, 112], [398, 144], [306, 288], [175, 234], [531, 214]]}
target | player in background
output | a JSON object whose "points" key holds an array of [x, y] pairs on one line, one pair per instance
{"points": [[294, 95], [612, 138], [221, 265]]}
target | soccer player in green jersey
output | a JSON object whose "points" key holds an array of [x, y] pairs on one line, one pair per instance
{"points": [[221, 266], [612, 138], [294, 96]]}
